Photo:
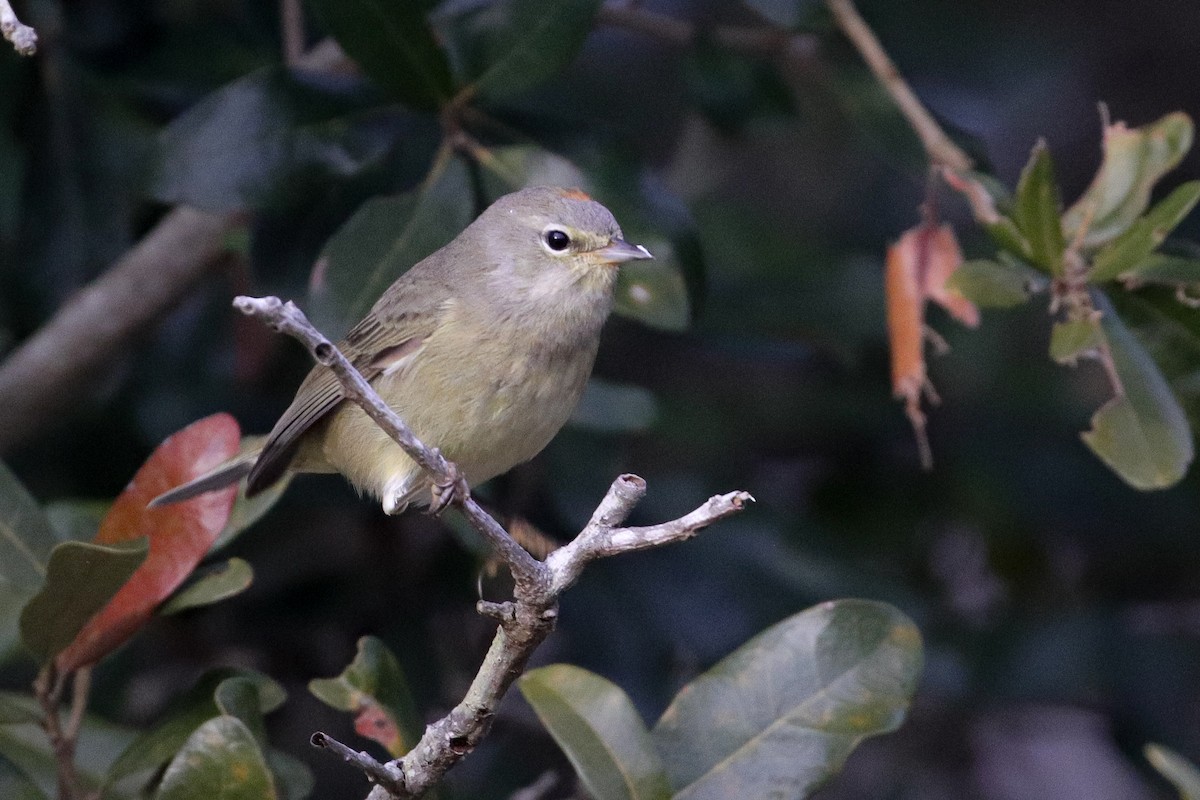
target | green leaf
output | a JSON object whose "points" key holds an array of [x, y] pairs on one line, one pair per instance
{"points": [[732, 91], [155, 747], [394, 45], [239, 697], [76, 519], [373, 688], [1182, 774], [519, 44], [596, 725], [18, 708], [1141, 434], [385, 237], [995, 284], [80, 580], [1124, 253], [220, 582], [14, 785], [784, 13], [1036, 211], [26, 747], [780, 715], [238, 147], [249, 510], [221, 759], [26, 537], [611, 408], [1074, 339], [1166, 269], [1134, 160]]}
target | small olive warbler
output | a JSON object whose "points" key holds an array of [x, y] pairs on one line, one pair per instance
{"points": [[483, 348]]}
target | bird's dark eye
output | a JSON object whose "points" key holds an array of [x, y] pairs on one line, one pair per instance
{"points": [[557, 240]]}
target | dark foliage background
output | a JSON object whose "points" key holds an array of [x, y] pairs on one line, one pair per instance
{"points": [[1059, 607]]}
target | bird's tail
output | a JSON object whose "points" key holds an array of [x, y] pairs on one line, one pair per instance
{"points": [[223, 475]]}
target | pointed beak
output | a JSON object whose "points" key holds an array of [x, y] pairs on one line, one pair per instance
{"points": [[618, 251]]}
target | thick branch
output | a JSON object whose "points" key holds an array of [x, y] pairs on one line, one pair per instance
{"points": [[43, 379], [529, 618], [23, 38]]}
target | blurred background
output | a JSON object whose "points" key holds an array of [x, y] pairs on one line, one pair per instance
{"points": [[1060, 607]]}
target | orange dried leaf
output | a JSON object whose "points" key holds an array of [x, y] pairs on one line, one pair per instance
{"points": [[179, 534], [943, 258], [906, 316], [917, 268]]}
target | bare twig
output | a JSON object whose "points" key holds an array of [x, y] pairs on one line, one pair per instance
{"points": [[48, 689], [377, 772], [525, 622], [758, 40], [23, 38], [939, 148]]}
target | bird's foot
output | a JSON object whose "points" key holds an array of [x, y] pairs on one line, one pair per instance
{"points": [[453, 490]]}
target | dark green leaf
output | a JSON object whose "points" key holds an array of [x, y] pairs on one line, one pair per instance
{"points": [[995, 284], [733, 91], [610, 408], [26, 747], [18, 708], [373, 688], [236, 148], [518, 44], [293, 779], [394, 45], [76, 519], [216, 584], [247, 511], [220, 759], [383, 239], [26, 538], [1166, 269], [1005, 234], [1134, 160], [781, 714], [14, 785], [1037, 208], [1182, 774], [784, 13], [1126, 252], [154, 748], [1074, 339], [596, 725], [1170, 332], [80, 580], [239, 697], [1142, 434]]}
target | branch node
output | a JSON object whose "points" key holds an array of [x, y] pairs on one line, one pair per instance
{"points": [[24, 38], [502, 612]]}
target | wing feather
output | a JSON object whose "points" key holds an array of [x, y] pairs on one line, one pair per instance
{"points": [[392, 323]]}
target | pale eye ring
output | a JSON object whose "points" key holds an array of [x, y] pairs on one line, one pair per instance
{"points": [[556, 239]]}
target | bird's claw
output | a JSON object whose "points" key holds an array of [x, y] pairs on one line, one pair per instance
{"points": [[452, 490]]}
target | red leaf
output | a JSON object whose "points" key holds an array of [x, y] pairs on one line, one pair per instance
{"points": [[372, 721], [180, 534]]}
